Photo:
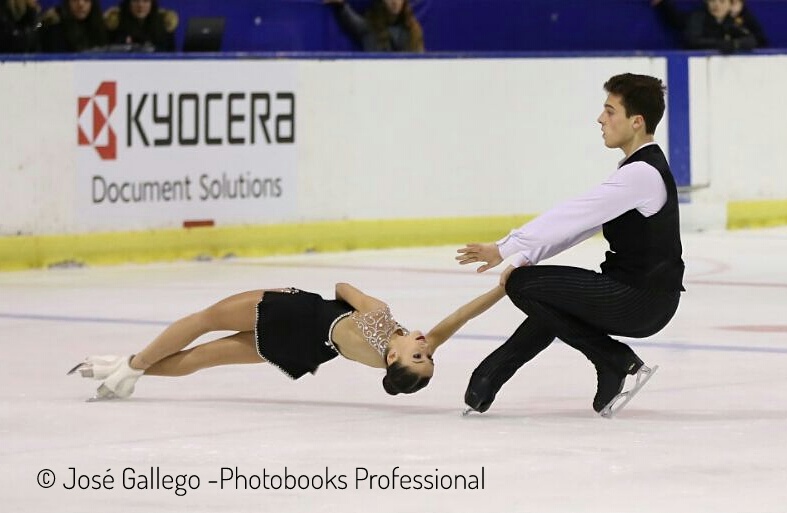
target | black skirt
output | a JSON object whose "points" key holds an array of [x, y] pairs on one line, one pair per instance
{"points": [[293, 327]]}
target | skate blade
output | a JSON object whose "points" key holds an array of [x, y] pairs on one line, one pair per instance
{"points": [[102, 394], [622, 399], [75, 368], [97, 399], [466, 412], [85, 369]]}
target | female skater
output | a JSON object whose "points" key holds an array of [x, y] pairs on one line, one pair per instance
{"points": [[294, 330]]}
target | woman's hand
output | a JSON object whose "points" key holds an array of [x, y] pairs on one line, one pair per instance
{"points": [[505, 274]]}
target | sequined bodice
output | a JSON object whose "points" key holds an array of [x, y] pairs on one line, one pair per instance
{"points": [[377, 327]]}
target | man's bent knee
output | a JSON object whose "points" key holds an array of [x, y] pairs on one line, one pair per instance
{"points": [[516, 282]]}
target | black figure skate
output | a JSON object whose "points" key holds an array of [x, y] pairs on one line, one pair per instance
{"points": [[610, 397]]}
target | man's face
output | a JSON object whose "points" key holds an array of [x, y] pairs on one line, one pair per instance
{"points": [[80, 9], [616, 129]]}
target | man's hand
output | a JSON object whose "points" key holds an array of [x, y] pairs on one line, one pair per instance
{"points": [[487, 253]]}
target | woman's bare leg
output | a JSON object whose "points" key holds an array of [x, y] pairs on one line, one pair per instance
{"points": [[235, 313], [232, 349]]}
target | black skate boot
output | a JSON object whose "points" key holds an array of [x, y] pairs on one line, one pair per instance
{"points": [[611, 382], [480, 393], [492, 373], [496, 369]]}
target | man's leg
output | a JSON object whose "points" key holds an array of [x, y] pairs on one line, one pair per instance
{"points": [[491, 374], [581, 308]]}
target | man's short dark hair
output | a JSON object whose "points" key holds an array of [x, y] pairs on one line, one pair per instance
{"points": [[640, 95]]}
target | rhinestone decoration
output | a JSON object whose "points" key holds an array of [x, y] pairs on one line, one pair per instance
{"points": [[377, 327]]}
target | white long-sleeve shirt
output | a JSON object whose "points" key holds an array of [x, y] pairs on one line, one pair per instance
{"points": [[637, 185]]}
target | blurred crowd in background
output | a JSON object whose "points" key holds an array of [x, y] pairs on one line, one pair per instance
{"points": [[65, 26]]}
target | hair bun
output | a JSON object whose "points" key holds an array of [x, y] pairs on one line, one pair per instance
{"points": [[389, 386]]}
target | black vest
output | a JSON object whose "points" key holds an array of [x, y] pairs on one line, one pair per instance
{"points": [[645, 252]]}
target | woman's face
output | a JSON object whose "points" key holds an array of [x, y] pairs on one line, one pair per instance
{"points": [[141, 8], [412, 351], [736, 7], [394, 6], [80, 9], [719, 9]]}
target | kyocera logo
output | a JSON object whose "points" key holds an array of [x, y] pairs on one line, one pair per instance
{"points": [[93, 114], [175, 119]]}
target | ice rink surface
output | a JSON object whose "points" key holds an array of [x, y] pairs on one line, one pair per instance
{"points": [[707, 434]]}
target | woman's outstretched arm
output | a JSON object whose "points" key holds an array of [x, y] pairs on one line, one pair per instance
{"points": [[451, 324], [357, 299]]}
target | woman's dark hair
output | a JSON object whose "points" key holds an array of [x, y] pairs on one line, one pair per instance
{"points": [[401, 380], [150, 30], [87, 34]]}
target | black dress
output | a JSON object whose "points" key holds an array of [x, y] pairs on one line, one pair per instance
{"points": [[293, 330]]}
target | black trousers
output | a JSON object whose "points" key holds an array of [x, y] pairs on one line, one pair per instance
{"points": [[583, 309]]}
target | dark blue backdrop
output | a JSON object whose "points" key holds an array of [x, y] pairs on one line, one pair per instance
{"points": [[462, 25]]}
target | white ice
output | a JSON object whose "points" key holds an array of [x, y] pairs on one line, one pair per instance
{"points": [[707, 434]]}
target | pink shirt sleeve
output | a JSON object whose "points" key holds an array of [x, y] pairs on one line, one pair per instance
{"points": [[634, 186]]}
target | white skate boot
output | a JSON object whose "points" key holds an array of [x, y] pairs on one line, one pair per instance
{"points": [[119, 384], [98, 367]]}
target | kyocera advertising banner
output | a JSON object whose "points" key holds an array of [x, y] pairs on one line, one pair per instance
{"points": [[163, 143]]}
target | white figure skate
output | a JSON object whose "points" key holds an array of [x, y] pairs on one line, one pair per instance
{"points": [[119, 384], [98, 367]]}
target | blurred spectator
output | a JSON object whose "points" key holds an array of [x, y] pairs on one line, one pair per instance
{"points": [[73, 26], [743, 17], [18, 21], [712, 28], [386, 26], [143, 23]]}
